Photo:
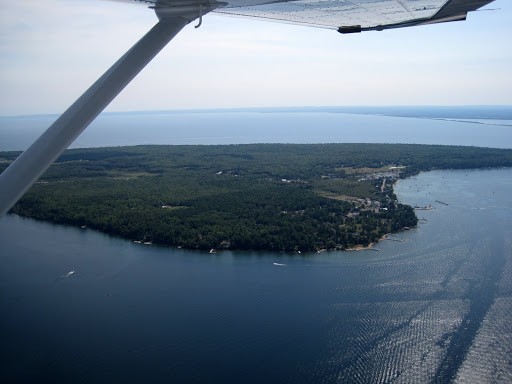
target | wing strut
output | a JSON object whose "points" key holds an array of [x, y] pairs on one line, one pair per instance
{"points": [[32, 163]]}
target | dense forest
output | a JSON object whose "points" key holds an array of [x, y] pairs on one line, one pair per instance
{"points": [[282, 197]]}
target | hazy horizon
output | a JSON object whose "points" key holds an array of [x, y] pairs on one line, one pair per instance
{"points": [[53, 51], [365, 109]]}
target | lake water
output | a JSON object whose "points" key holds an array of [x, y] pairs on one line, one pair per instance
{"points": [[270, 126], [434, 305]]}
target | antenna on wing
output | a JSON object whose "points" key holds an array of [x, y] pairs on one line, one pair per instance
{"points": [[200, 16]]}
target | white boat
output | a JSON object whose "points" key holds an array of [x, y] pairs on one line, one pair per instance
{"points": [[67, 275]]}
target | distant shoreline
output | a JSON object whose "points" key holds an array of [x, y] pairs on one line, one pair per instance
{"points": [[452, 113]]}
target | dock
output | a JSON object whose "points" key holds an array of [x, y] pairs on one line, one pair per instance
{"points": [[424, 208]]}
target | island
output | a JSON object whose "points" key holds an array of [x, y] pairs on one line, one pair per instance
{"points": [[274, 197]]}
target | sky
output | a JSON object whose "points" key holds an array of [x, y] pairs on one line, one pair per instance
{"points": [[51, 51]]}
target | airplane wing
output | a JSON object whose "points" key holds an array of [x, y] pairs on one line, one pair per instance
{"points": [[346, 16]]}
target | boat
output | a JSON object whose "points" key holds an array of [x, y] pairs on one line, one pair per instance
{"points": [[67, 275]]}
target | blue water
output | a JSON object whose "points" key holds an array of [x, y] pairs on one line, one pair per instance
{"points": [[268, 126], [434, 305]]}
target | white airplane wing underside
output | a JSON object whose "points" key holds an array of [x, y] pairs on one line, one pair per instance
{"points": [[346, 16]]}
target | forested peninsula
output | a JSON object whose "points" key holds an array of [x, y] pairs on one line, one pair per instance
{"points": [[278, 197]]}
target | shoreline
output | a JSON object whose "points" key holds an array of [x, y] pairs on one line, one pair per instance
{"points": [[242, 202]]}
